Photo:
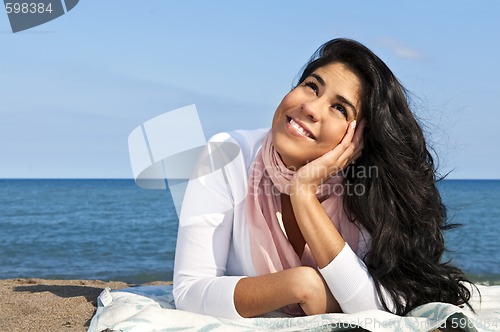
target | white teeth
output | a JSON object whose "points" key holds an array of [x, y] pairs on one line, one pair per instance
{"points": [[301, 130]]}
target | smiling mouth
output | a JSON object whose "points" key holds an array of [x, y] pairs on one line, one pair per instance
{"points": [[301, 130]]}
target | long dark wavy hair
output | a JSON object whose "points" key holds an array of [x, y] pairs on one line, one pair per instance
{"points": [[401, 206]]}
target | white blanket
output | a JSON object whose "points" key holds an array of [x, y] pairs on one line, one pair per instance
{"points": [[151, 308]]}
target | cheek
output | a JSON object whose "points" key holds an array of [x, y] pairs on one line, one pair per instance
{"points": [[276, 118], [334, 134], [291, 99], [285, 103]]}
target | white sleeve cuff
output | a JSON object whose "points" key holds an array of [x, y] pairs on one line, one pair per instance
{"points": [[219, 298], [350, 282]]}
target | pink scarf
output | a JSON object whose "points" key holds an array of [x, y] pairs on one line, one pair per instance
{"points": [[271, 250]]}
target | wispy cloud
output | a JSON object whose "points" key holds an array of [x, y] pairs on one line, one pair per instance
{"points": [[401, 49]]}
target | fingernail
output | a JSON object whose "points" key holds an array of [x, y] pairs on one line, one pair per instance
{"points": [[353, 124]]}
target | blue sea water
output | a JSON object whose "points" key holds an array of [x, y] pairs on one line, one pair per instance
{"points": [[475, 247], [113, 230]]}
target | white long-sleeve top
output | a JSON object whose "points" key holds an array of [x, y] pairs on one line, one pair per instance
{"points": [[213, 245]]}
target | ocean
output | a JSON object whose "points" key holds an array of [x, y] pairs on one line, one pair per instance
{"points": [[114, 230]]}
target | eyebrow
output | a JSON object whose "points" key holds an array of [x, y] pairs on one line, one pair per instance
{"points": [[342, 99]]}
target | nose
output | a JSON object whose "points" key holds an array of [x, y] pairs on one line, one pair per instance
{"points": [[312, 109]]}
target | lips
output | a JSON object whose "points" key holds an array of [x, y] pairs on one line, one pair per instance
{"points": [[300, 128]]}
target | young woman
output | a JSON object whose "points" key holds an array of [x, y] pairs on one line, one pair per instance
{"points": [[335, 209]]}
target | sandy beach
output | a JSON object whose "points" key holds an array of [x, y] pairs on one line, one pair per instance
{"points": [[59, 305], [51, 305]]}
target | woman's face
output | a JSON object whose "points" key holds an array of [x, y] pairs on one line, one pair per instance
{"points": [[313, 118]]}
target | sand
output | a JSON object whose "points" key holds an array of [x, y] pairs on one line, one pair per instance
{"points": [[51, 305]]}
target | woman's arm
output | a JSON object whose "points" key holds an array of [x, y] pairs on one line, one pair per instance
{"points": [[321, 235], [205, 234], [201, 254], [200, 285], [345, 273], [301, 285], [203, 243]]}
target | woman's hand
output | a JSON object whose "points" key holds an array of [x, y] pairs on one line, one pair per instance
{"points": [[311, 175]]}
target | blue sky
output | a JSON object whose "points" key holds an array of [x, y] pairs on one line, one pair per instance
{"points": [[73, 89]]}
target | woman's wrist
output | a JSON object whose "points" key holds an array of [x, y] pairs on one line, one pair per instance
{"points": [[304, 194], [298, 188]]}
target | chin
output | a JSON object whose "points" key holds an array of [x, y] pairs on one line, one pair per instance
{"points": [[287, 149]]}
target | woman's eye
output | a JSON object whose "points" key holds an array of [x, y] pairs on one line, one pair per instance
{"points": [[341, 109], [312, 86]]}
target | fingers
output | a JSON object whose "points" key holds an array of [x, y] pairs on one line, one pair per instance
{"points": [[354, 147], [355, 157], [349, 135], [358, 135], [358, 141], [348, 143]]}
